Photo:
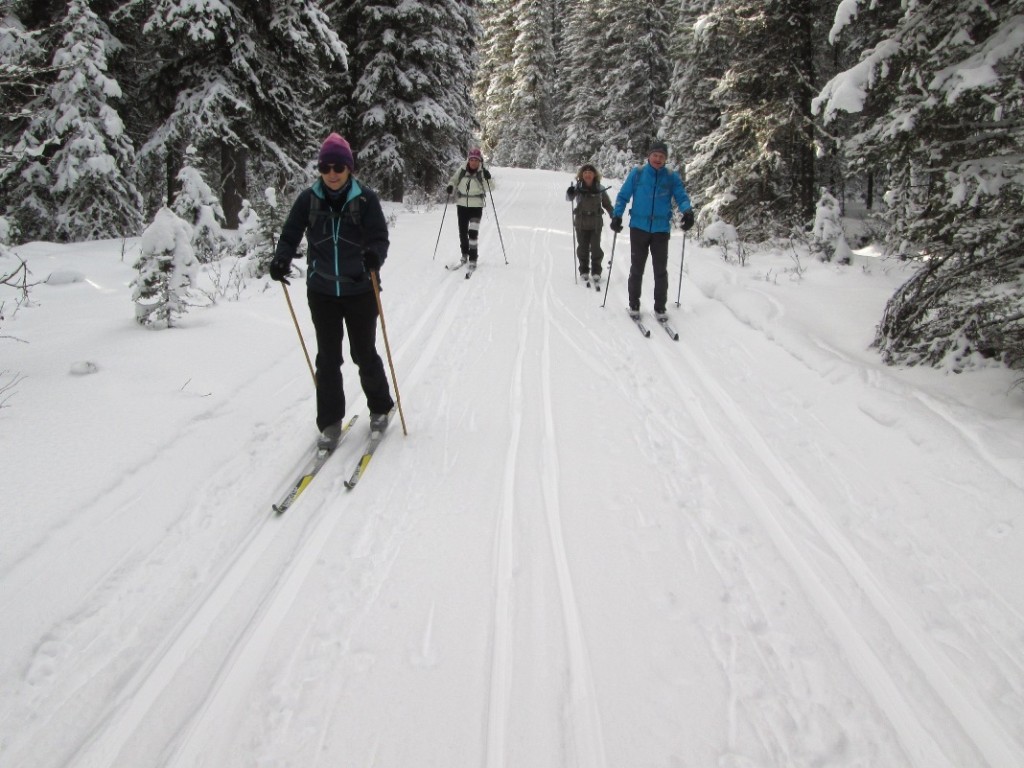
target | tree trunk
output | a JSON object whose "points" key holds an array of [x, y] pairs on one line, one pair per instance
{"points": [[233, 186], [805, 61]]}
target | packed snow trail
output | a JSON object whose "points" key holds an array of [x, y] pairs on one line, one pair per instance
{"points": [[593, 549]]}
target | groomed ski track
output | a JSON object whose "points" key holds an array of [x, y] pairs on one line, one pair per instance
{"points": [[512, 628]]}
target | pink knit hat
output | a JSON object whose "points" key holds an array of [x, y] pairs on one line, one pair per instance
{"points": [[336, 151], [475, 152]]}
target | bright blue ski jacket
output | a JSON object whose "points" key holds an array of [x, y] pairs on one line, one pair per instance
{"points": [[652, 192]]}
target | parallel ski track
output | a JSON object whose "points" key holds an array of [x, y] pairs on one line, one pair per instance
{"points": [[141, 693], [585, 738], [424, 342], [726, 429], [235, 676], [502, 625], [730, 427], [98, 603]]}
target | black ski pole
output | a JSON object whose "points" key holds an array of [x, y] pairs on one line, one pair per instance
{"points": [[682, 257], [572, 224], [611, 260], [447, 198], [496, 223]]}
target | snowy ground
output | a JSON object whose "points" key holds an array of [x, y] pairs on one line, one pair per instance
{"points": [[756, 546]]}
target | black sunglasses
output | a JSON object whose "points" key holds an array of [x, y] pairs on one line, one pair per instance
{"points": [[331, 168]]}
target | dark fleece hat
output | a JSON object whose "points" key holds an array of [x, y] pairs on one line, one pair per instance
{"points": [[658, 146], [336, 151]]}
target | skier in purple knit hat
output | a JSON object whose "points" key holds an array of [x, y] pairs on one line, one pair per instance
{"points": [[347, 239], [471, 184]]}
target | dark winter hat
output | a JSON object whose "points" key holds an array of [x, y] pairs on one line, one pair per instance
{"points": [[475, 152], [658, 146], [336, 151]]}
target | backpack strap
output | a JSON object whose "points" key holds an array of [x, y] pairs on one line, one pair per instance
{"points": [[353, 210], [314, 209]]}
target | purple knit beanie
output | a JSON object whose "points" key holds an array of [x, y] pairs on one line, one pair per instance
{"points": [[475, 152], [336, 151]]}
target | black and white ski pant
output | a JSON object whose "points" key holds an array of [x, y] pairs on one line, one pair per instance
{"points": [[469, 228]]}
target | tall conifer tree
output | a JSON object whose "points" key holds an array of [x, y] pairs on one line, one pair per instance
{"points": [[756, 170], [584, 72], [240, 82], [72, 178], [411, 96], [635, 52]]}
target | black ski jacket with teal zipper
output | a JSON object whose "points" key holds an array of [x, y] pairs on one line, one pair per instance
{"points": [[337, 232]]}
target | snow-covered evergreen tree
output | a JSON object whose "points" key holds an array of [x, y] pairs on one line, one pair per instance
{"points": [[241, 81], [250, 233], [756, 169], [22, 61], [456, 60], [167, 270], [496, 84], [584, 72], [413, 114], [943, 89], [197, 204], [690, 113], [828, 240], [71, 175], [533, 67], [632, 104]]}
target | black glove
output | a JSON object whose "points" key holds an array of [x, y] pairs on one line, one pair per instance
{"points": [[571, 191], [487, 174], [280, 268], [371, 261], [686, 221], [616, 224], [450, 189]]}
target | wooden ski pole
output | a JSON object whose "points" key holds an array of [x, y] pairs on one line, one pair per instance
{"points": [[298, 330], [387, 349]]}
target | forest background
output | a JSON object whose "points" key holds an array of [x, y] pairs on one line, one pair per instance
{"points": [[905, 116]]}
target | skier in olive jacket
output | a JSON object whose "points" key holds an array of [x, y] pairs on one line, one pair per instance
{"points": [[652, 188], [347, 239], [590, 198]]}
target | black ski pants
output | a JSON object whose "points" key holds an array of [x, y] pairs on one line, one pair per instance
{"points": [[331, 316], [641, 243]]}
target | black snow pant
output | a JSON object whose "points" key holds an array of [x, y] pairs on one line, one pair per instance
{"points": [[331, 316], [640, 243], [588, 250], [469, 228]]}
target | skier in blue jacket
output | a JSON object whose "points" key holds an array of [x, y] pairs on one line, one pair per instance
{"points": [[652, 188]]}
